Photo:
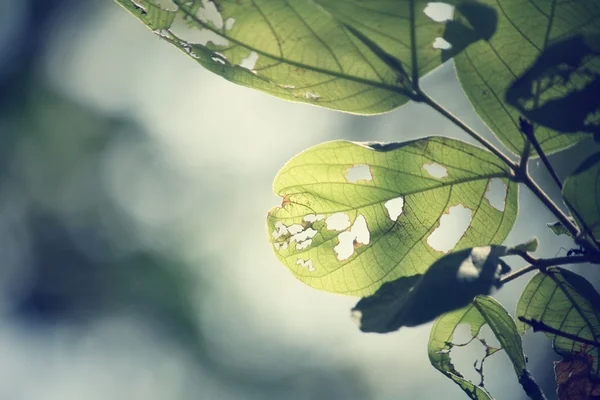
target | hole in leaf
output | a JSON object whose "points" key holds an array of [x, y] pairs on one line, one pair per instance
{"points": [[441, 43], [312, 218], [280, 230], [350, 240], [394, 207], [195, 35], [209, 13], [490, 339], [311, 96], [250, 61], [218, 60], [463, 356], [337, 222], [229, 23], [303, 238], [303, 245], [295, 228], [359, 172], [439, 12], [164, 4], [306, 264], [436, 170], [496, 193], [453, 226]]}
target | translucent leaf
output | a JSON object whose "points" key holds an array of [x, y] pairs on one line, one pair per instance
{"points": [[568, 303], [354, 216], [581, 192], [484, 310], [558, 228], [526, 29], [529, 247], [565, 79], [344, 55], [451, 283]]}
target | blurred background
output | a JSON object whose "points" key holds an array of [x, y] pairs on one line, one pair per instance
{"points": [[135, 263]]}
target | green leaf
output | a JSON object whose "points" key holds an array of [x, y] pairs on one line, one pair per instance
{"points": [[451, 283], [344, 55], [526, 29], [354, 216], [581, 193], [484, 310], [568, 303], [565, 79], [558, 228], [528, 247]]}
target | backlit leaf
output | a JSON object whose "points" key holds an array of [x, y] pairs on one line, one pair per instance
{"points": [[581, 193], [341, 54], [354, 216], [568, 303], [526, 29], [483, 310]]}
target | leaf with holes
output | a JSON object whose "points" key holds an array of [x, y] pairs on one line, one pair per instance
{"points": [[526, 30], [354, 216], [568, 303], [451, 283], [343, 55], [581, 193], [483, 310]]}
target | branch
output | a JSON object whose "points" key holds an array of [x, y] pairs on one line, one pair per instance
{"points": [[528, 131], [439, 108], [543, 263], [539, 326]]}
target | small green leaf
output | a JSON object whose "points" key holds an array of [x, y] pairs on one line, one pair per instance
{"points": [[526, 29], [483, 310], [451, 283], [329, 53], [568, 303], [559, 229], [354, 216], [581, 193], [528, 247]]}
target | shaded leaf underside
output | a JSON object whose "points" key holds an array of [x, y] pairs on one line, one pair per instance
{"points": [[314, 184], [486, 69]]}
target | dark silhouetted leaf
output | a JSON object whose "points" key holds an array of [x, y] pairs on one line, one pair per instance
{"points": [[451, 283]]}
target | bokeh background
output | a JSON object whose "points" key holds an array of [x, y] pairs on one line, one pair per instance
{"points": [[135, 263]]}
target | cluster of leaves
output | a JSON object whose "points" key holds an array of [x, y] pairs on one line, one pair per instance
{"points": [[360, 218]]}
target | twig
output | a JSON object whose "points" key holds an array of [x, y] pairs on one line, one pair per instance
{"points": [[544, 263], [529, 133], [439, 108], [413, 47], [539, 326]]}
